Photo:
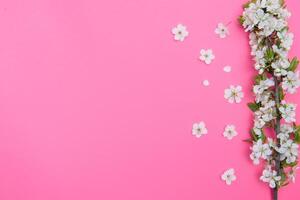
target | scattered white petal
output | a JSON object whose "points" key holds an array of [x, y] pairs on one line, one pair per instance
{"points": [[199, 129], [206, 83], [229, 176], [234, 94], [227, 68], [180, 32], [222, 30], [206, 56], [230, 132]]}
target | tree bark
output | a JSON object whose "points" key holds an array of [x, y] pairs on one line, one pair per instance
{"points": [[277, 131]]}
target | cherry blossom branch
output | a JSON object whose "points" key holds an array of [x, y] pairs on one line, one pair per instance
{"points": [[270, 42], [277, 131]]}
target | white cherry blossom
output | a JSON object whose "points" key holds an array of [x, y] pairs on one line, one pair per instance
{"points": [[262, 86], [206, 56], [227, 68], [286, 39], [291, 82], [234, 94], [180, 32], [289, 151], [229, 176], [206, 83], [230, 132], [280, 67], [270, 176], [199, 129], [288, 112], [285, 131], [261, 150], [222, 30], [292, 174]]}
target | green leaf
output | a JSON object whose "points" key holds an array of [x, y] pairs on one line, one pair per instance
{"points": [[281, 93], [269, 55], [253, 106], [285, 164], [297, 134], [246, 5], [283, 180], [263, 137], [241, 20], [293, 64], [254, 136], [259, 78]]}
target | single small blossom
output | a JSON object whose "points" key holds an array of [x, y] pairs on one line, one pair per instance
{"points": [[234, 94], [227, 68], [230, 132], [199, 129], [205, 83], [180, 32], [206, 56], [229, 176], [222, 30]]}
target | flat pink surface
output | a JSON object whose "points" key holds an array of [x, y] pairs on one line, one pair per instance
{"points": [[97, 101]]}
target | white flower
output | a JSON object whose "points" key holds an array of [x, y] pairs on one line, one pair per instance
{"points": [[230, 132], [285, 131], [199, 129], [289, 151], [280, 51], [263, 85], [263, 98], [180, 32], [255, 159], [229, 176], [257, 131], [288, 112], [286, 39], [205, 83], [292, 174], [234, 94], [261, 150], [291, 82], [266, 112], [206, 55], [270, 176], [222, 30], [280, 67], [271, 5], [283, 13], [227, 68]]}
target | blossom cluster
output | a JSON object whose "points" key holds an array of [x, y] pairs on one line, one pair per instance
{"points": [[270, 42]]}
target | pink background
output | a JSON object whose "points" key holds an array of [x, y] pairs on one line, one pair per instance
{"points": [[97, 101]]}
